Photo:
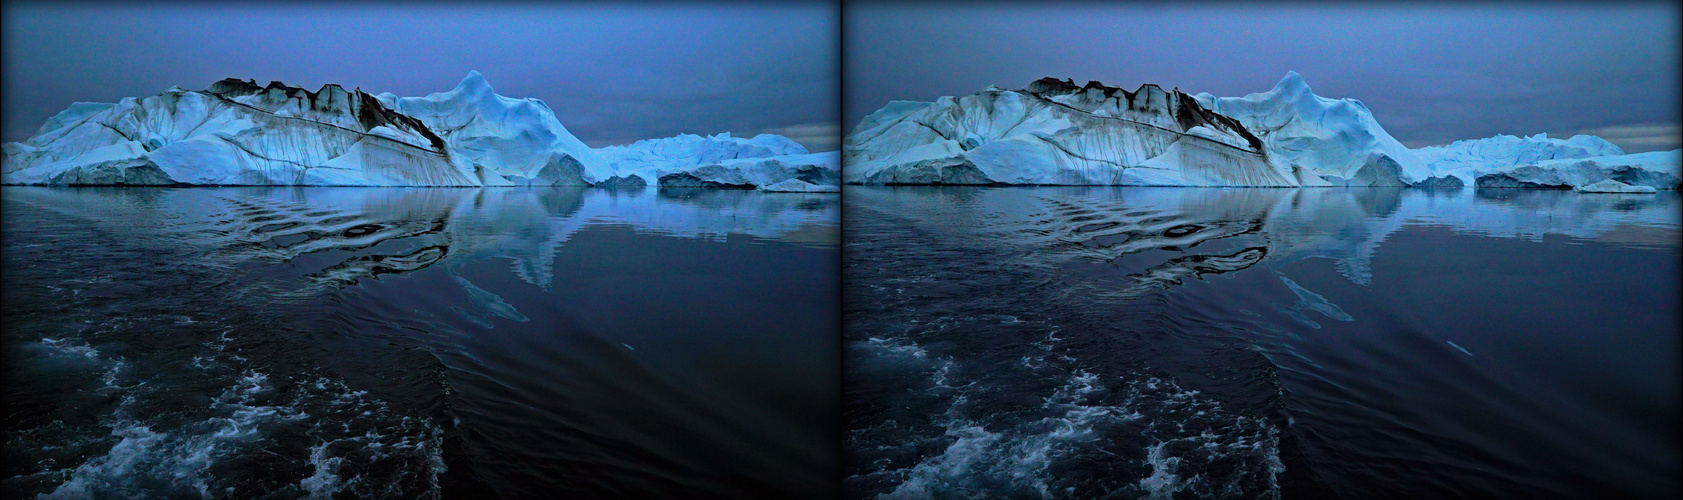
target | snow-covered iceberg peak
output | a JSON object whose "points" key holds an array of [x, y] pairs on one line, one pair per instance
{"points": [[504, 140], [1337, 140]]}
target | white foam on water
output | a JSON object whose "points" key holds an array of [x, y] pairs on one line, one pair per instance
{"points": [[900, 347], [388, 437], [70, 347], [145, 461], [103, 474], [325, 481], [1190, 434], [1163, 483], [982, 462]]}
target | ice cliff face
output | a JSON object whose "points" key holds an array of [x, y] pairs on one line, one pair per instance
{"points": [[1055, 132], [239, 133]]}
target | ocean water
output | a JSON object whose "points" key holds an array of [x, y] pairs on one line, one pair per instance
{"points": [[419, 343], [1259, 343]]}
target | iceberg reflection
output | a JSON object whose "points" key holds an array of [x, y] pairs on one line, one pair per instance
{"points": [[1346, 225], [346, 234]]}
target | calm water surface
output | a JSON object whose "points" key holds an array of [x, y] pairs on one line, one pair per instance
{"points": [[1246, 343], [522, 343]]}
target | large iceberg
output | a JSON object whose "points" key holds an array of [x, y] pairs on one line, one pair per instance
{"points": [[1054, 132], [239, 133], [235, 133]]}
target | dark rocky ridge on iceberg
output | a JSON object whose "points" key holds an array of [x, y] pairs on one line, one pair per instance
{"points": [[330, 99], [1187, 116]]}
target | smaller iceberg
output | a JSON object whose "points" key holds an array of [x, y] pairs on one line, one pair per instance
{"points": [[720, 161], [1656, 169], [1542, 162]]}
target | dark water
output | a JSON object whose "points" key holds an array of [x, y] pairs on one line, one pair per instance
{"points": [[285, 343], [1260, 343]]}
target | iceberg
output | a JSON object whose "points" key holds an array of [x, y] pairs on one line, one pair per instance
{"points": [[1655, 169], [1538, 161], [235, 133], [720, 161], [1056, 133], [1506, 150], [687, 150], [240, 133]]}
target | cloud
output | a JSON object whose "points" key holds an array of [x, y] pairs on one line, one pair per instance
{"points": [[1639, 138], [817, 137]]}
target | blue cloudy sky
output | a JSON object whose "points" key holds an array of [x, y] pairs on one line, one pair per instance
{"points": [[612, 73], [1431, 73]]}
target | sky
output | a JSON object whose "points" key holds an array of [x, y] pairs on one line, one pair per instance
{"points": [[1431, 73], [613, 74]]}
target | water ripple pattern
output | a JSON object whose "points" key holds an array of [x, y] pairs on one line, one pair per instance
{"points": [[362, 343], [1254, 343]]}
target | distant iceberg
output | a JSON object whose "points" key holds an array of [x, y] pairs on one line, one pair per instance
{"points": [[1054, 132], [240, 133], [1541, 162], [720, 161]]}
